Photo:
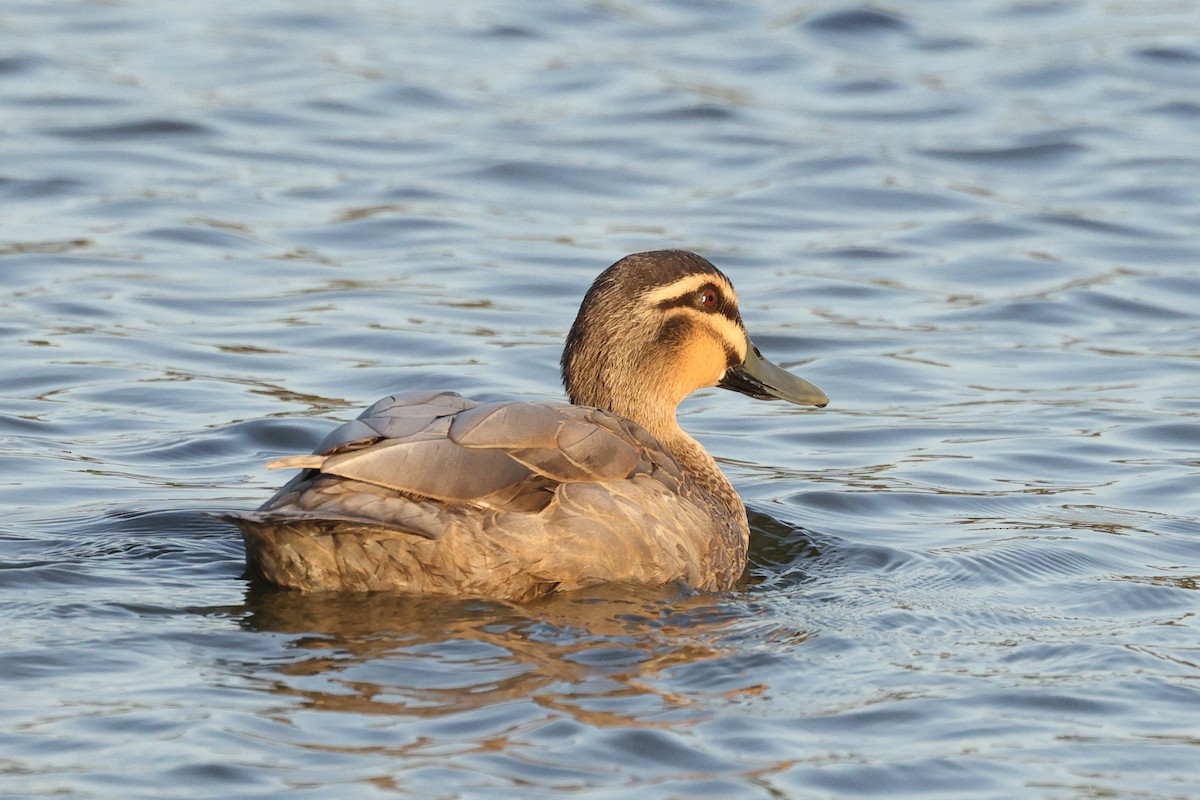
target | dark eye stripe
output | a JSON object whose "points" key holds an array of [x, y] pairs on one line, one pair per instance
{"points": [[675, 331], [724, 306]]}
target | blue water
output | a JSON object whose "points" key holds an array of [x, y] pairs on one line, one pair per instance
{"points": [[226, 226]]}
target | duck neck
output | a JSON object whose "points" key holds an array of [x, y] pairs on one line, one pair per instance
{"points": [[698, 465], [655, 411]]}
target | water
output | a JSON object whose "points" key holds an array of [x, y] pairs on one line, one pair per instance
{"points": [[226, 226]]}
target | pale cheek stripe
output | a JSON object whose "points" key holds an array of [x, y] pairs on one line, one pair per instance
{"points": [[686, 285], [731, 335]]}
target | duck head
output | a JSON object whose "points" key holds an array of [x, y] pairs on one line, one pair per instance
{"points": [[655, 327]]}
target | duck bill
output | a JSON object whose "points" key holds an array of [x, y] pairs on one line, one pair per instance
{"points": [[762, 380]]}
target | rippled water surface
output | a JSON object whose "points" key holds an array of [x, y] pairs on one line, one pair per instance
{"points": [[976, 225]]}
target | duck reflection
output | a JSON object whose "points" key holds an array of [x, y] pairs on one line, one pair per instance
{"points": [[605, 656], [387, 653]]}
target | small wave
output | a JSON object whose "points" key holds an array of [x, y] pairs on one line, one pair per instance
{"points": [[857, 22], [1019, 156], [138, 129]]}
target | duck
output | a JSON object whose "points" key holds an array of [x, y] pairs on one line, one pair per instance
{"points": [[429, 492]]}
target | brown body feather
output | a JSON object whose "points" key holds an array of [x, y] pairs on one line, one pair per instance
{"points": [[527, 498]]}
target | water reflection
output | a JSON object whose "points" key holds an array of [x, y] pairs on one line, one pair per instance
{"points": [[593, 654]]}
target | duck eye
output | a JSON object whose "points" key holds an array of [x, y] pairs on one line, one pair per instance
{"points": [[708, 298]]}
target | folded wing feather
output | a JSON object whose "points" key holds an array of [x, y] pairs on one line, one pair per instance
{"points": [[445, 447]]}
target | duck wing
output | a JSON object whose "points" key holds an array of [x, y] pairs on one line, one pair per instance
{"points": [[443, 447], [562, 442]]}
